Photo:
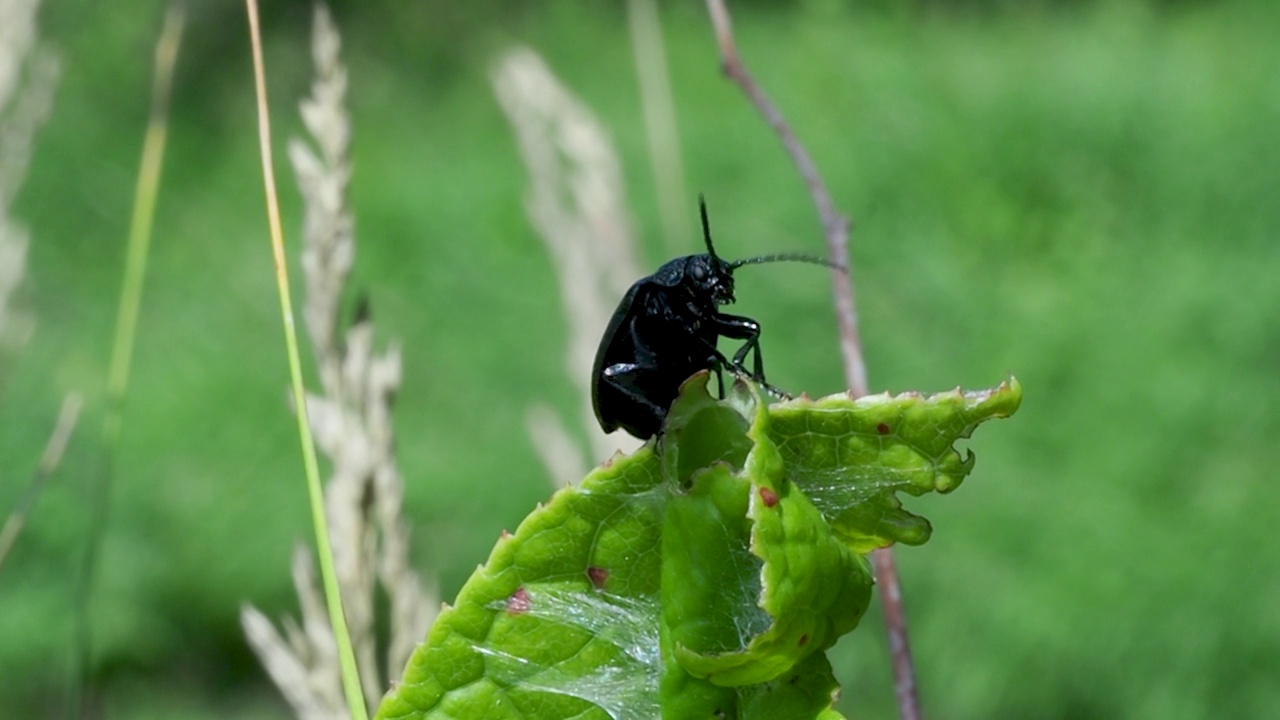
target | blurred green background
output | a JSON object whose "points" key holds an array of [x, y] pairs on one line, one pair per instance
{"points": [[1085, 194]]}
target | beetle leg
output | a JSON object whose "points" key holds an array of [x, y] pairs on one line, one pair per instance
{"points": [[737, 327], [757, 369], [717, 364], [776, 392], [622, 377]]}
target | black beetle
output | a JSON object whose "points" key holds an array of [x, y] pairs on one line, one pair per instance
{"points": [[665, 330]]}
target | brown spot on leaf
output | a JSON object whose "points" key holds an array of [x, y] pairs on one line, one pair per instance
{"points": [[769, 497], [597, 575], [882, 428], [519, 602], [804, 639]]}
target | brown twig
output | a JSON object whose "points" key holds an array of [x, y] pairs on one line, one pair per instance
{"points": [[835, 228]]}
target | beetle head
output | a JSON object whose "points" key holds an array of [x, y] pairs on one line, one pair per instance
{"points": [[710, 275], [707, 276]]}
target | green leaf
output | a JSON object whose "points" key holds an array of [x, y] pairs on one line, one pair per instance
{"points": [[703, 576], [851, 457], [753, 579]]}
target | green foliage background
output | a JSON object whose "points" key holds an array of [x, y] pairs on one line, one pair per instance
{"points": [[1080, 193]]}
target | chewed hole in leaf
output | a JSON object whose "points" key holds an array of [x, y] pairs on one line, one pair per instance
{"points": [[749, 618], [713, 435], [701, 432], [862, 505], [836, 491], [712, 580], [589, 645]]}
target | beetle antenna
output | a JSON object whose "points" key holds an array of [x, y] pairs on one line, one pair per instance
{"points": [[706, 227], [776, 257], [788, 257]]}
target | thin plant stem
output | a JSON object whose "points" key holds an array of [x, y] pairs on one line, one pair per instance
{"points": [[346, 655], [49, 460], [835, 227], [138, 246]]}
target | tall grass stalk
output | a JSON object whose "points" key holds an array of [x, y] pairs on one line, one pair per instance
{"points": [[333, 597], [351, 419], [49, 459], [138, 245]]}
